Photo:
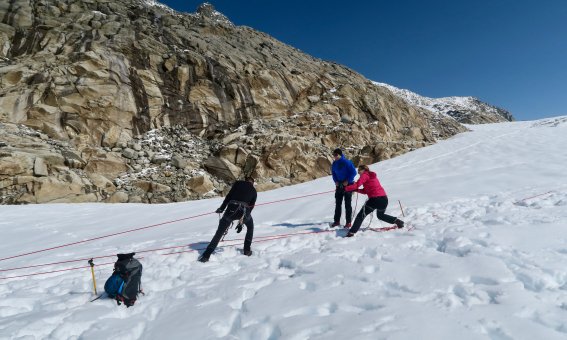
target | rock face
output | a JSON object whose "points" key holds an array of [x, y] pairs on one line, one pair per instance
{"points": [[37, 169], [130, 101]]}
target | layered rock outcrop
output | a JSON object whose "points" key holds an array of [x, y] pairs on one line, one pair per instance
{"points": [[132, 102]]}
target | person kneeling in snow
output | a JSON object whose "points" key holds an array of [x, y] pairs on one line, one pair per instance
{"points": [[377, 199], [239, 204]]}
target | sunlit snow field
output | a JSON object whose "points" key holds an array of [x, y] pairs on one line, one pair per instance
{"points": [[486, 260]]}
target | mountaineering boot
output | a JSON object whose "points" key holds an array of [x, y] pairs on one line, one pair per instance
{"points": [[348, 225], [349, 234], [205, 257], [335, 224], [399, 223], [247, 252]]}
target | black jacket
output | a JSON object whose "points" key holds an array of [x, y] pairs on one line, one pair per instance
{"points": [[242, 191]]}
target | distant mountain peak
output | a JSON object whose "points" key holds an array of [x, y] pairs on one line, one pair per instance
{"points": [[467, 110], [154, 3], [208, 11], [205, 11]]}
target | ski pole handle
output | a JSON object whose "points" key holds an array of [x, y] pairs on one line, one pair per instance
{"points": [[92, 273]]}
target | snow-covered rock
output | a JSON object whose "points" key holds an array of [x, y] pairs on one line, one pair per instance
{"points": [[466, 110]]}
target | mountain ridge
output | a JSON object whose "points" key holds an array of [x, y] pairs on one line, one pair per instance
{"points": [[466, 110]]}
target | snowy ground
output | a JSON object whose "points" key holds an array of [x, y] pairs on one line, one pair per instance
{"points": [[482, 263]]}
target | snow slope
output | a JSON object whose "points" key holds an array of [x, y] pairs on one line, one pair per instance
{"points": [[485, 261]]}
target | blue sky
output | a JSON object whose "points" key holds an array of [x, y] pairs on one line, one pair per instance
{"points": [[509, 53]]}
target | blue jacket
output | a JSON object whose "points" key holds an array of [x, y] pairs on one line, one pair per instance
{"points": [[342, 170]]}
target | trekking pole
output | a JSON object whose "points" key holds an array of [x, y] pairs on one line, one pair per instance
{"points": [[92, 272], [369, 223], [355, 207], [402, 209]]}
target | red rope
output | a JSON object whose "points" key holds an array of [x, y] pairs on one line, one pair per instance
{"points": [[146, 227], [267, 238], [54, 263], [104, 236], [262, 239], [149, 250], [53, 271], [96, 257], [169, 222], [527, 198], [294, 198]]}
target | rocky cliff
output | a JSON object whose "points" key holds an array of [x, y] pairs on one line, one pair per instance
{"points": [[130, 101]]}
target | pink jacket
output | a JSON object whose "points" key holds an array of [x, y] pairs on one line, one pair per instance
{"points": [[372, 186]]}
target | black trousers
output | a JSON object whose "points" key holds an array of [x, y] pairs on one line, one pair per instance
{"points": [[374, 203], [233, 212], [341, 194]]}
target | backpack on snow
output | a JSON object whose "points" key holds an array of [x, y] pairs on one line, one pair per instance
{"points": [[126, 280]]}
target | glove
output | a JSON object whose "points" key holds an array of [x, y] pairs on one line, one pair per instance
{"points": [[219, 210], [238, 228], [345, 183]]}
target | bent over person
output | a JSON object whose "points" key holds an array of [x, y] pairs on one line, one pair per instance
{"points": [[377, 199], [238, 204]]}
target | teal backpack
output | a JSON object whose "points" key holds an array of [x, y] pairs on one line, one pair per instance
{"points": [[125, 283]]}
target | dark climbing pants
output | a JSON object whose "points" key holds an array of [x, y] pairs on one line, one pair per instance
{"points": [[233, 212], [341, 194], [374, 203]]}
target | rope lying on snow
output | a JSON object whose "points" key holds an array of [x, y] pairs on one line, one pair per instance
{"points": [[146, 227], [156, 249], [258, 240]]}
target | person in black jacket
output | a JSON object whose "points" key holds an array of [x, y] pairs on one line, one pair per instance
{"points": [[239, 204]]}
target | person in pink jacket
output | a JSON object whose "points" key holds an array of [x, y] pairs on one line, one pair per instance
{"points": [[377, 199]]}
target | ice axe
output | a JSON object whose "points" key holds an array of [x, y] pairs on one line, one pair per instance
{"points": [[91, 263]]}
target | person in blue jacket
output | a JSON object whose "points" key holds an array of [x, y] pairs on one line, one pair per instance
{"points": [[343, 174]]}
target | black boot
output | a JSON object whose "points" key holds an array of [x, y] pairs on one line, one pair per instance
{"points": [[247, 252], [349, 234], [204, 257], [399, 223]]}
